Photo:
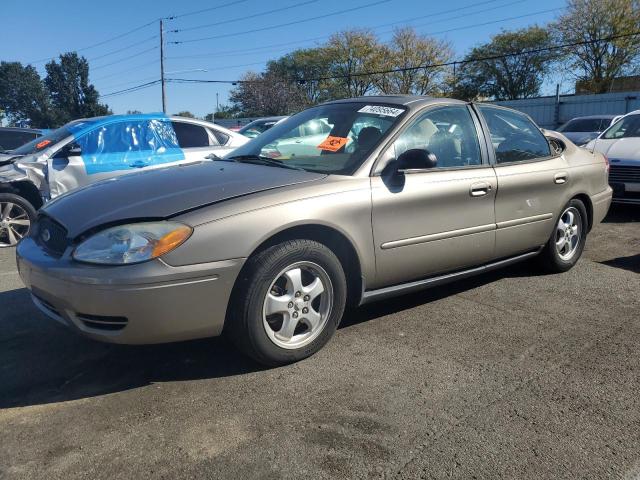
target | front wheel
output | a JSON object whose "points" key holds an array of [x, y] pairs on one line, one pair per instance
{"points": [[16, 217], [288, 302], [566, 244]]}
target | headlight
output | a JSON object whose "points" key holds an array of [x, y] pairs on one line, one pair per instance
{"points": [[133, 243]]}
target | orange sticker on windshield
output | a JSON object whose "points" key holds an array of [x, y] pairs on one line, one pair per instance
{"points": [[42, 144], [333, 144]]}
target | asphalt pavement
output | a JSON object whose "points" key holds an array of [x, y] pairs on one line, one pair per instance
{"points": [[512, 374]]}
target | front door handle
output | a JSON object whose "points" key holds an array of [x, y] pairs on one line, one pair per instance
{"points": [[560, 178], [479, 189]]}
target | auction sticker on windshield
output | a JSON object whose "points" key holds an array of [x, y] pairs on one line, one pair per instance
{"points": [[333, 144], [379, 110]]}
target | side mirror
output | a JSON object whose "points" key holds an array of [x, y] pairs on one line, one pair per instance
{"points": [[416, 159], [73, 150]]}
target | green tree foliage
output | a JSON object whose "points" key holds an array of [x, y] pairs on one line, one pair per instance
{"points": [[224, 111], [506, 77], [72, 96], [23, 98], [186, 114], [597, 63], [408, 50]]}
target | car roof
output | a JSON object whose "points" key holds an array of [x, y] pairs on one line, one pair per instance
{"points": [[21, 129], [589, 117], [411, 101]]}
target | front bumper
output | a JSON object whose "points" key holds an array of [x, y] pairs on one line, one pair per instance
{"points": [[150, 302]]}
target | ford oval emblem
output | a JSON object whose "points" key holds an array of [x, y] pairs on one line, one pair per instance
{"points": [[45, 235]]}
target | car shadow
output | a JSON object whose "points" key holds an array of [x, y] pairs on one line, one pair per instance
{"points": [[42, 362], [631, 263], [623, 214]]}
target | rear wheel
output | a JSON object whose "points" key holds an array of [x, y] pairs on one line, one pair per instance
{"points": [[566, 244], [288, 303], [16, 217]]}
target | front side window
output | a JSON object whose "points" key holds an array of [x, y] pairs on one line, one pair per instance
{"points": [[334, 138], [629, 126], [447, 132], [514, 136]]}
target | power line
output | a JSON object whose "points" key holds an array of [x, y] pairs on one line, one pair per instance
{"points": [[421, 67], [228, 4], [152, 37], [128, 70], [248, 51], [295, 22], [131, 89], [125, 58], [111, 39], [245, 17]]}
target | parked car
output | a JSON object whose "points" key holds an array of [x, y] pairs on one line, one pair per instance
{"points": [[13, 137], [271, 250], [621, 144], [255, 128], [581, 130], [88, 150]]}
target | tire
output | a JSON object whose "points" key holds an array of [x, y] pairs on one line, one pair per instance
{"points": [[268, 321], [557, 258], [16, 217]]}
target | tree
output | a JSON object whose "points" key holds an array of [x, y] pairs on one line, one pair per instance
{"points": [[304, 67], [408, 49], [598, 62], [517, 71], [133, 112], [23, 98], [265, 94], [224, 111], [71, 94], [351, 54], [186, 114]]}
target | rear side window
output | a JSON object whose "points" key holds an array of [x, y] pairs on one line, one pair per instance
{"points": [[10, 140], [220, 138], [514, 136], [191, 135]]}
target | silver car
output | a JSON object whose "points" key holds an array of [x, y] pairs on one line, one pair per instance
{"points": [[271, 250], [88, 150]]}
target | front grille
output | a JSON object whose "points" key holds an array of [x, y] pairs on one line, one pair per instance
{"points": [[51, 236], [620, 174], [99, 322]]}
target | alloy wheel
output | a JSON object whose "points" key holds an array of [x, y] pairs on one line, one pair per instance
{"points": [[14, 224], [568, 233], [297, 305]]}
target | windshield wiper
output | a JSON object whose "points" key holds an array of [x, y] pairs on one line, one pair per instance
{"points": [[262, 160]]}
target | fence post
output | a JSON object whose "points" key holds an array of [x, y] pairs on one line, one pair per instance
{"points": [[556, 113]]}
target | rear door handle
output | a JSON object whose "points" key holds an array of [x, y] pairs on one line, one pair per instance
{"points": [[479, 189], [560, 178]]}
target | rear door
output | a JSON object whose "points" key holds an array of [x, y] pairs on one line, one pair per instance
{"points": [[197, 141], [532, 181], [439, 219]]}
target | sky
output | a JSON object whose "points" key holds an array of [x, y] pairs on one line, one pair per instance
{"points": [[222, 39]]}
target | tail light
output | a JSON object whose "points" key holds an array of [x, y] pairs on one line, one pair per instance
{"points": [[606, 163]]}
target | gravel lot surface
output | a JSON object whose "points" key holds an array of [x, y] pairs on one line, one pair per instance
{"points": [[512, 374]]}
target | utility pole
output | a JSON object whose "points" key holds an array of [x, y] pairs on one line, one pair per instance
{"points": [[164, 95]]}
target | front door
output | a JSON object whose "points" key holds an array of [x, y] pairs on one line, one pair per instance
{"points": [[110, 150], [438, 219]]}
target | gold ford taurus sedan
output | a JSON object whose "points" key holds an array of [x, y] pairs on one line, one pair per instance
{"points": [[400, 194]]}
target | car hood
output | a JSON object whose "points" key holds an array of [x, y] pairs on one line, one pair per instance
{"points": [[620, 149], [580, 138], [166, 192]]}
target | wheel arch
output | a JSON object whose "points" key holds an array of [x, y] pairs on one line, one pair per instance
{"points": [[26, 190], [588, 205]]}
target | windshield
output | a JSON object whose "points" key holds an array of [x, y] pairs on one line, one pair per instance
{"points": [[333, 138], [627, 127], [38, 144], [584, 125]]}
